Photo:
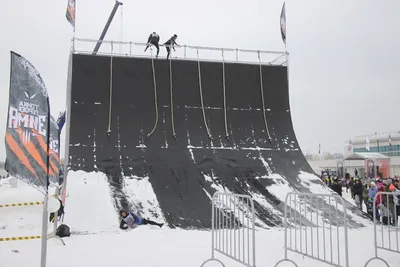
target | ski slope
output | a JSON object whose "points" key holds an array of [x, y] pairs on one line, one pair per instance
{"points": [[96, 239]]}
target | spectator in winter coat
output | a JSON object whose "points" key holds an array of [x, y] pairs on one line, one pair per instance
{"points": [[396, 200], [372, 190], [131, 220], [388, 200], [358, 192], [347, 185], [379, 199], [352, 187], [337, 187], [365, 194]]}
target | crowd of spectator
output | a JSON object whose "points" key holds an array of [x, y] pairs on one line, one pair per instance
{"points": [[363, 192]]}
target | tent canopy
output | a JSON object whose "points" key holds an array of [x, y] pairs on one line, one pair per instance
{"points": [[366, 155]]}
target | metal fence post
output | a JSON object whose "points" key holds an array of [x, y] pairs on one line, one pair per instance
{"points": [[384, 208], [305, 215]]}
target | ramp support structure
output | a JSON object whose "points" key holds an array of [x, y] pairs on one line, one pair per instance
{"points": [[103, 34]]}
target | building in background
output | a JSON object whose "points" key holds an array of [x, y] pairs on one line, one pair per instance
{"points": [[386, 144]]}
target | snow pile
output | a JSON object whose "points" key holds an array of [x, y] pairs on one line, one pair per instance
{"points": [[88, 205]]}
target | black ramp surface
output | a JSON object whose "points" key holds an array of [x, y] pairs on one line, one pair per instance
{"points": [[185, 171]]}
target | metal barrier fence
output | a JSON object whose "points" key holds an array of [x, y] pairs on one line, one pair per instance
{"points": [[316, 227], [386, 214], [233, 228], [188, 52]]}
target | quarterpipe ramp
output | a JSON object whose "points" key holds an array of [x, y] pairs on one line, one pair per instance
{"points": [[209, 133]]}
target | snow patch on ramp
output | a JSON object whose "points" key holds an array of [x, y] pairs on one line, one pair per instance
{"points": [[141, 195]]}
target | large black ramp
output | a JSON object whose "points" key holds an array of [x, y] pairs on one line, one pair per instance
{"points": [[185, 171]]}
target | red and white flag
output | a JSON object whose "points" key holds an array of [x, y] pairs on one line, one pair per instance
{"points": [[70, 14], [350, 147]]}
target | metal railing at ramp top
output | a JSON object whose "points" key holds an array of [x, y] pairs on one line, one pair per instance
{"points": [[183, 52]]}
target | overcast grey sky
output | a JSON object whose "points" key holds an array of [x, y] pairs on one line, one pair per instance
{"points": [[344, 55]]}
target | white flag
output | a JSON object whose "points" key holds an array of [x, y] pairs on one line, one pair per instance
{"points": [[367, 143]]}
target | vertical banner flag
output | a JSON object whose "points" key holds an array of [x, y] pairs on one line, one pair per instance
{"points": [[283, 23], [70, 14], [55, 162], [27, 126], [370, 168], [340, 169], [61, 121], [367, 144], [390, 141]]}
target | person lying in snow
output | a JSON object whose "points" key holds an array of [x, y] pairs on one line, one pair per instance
{"points": [[131, 220]]}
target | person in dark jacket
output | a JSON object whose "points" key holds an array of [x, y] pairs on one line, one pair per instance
{"points": [[352, 187], [358, 192], [131, 220], [171, 43], [153, 39], [337, 187]]}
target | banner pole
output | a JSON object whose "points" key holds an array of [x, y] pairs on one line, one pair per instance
{"points": [[43, 258]]}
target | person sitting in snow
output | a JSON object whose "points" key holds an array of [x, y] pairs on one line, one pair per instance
{"points": [[131, 220]]}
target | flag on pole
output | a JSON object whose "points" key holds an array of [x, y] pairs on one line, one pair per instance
{"points": [[61, 120], [70, 14], [367, 144], [283, 23], [390, 141], [319, 148], [350, 147], [55, 162]]}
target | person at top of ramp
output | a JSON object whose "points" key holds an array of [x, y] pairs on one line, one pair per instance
{"points": [[131, 220], [153, 39], [171, 43]]}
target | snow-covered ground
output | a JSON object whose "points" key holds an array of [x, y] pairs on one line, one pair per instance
{"points": [[96, 239]]}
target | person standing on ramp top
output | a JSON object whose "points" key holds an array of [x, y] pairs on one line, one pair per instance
{"points": [[170, 43], [131, 220], [153, 39]]}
